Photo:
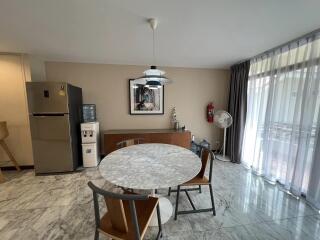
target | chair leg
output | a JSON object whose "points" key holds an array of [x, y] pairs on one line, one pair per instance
{"points": [[159, 222], [212, 200], [169, 191], [199, 188], [8, 152], [2, 178], [96, 235], [177, 203]]}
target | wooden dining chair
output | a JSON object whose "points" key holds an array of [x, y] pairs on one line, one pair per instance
{"points": [[129, 142], [199, 180], [128, 215]]}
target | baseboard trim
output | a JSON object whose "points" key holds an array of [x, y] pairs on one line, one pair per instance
{"points": [[23, 167]]}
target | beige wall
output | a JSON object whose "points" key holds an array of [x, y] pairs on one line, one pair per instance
{"points": [[107, 87], [37, 68], [14, 72]]}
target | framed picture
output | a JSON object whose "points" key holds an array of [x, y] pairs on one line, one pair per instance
{"points": [[145, 100]]}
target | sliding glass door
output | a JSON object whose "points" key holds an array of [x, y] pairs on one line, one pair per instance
{"points": [[282, 125]]}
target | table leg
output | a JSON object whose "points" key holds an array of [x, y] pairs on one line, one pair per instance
{"points": [[166, 210]]}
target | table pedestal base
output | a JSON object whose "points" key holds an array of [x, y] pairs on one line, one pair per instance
{"points": [[166, 209]]}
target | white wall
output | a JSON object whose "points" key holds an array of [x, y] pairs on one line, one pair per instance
{"points": [[37, 68]]}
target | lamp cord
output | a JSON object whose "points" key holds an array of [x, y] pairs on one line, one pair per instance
{"points": [[153, 49]]}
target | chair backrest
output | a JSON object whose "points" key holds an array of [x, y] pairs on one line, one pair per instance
{"points": [[117, 214], [129, 142], [205, 155], [114, 203]]}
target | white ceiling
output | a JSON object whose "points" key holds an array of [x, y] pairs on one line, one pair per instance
{"points": [[191, 33]]}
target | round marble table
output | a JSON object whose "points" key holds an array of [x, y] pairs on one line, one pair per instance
{"points": [[151, 166]]}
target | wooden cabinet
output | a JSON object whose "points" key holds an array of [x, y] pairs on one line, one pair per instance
{"points": [[169, 136]]}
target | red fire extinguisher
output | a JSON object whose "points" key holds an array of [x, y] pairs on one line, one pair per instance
{"points": [[210, 109]]}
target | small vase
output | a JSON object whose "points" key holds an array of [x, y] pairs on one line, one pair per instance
{"points": [[176, 125]]}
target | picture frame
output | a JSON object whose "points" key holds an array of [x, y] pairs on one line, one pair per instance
{"points": [[144, 100]]}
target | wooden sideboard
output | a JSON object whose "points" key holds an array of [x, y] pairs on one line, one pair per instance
{"points": [[169, 136]]}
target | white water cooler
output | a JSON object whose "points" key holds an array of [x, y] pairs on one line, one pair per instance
{"points": [[90, 144]]}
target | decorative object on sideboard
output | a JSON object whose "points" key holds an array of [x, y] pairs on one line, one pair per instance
{"points": [[145, 100], [174, 119], [223, 119], [153, 77], [174, 115], [176, 125], [4, 133]]}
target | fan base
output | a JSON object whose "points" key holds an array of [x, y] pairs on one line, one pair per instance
{"points": [[223, 159]]}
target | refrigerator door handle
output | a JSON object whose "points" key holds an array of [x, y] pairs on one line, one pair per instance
{"points": [[48, 115]]}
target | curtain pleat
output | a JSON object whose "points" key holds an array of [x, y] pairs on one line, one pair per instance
{"points": [[281, 140], [238, 109]]}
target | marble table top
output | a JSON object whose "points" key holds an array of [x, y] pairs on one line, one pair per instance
{"points": [[150, 166]]}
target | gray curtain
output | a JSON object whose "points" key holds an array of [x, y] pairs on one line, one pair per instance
{"points": [[238, 109]]}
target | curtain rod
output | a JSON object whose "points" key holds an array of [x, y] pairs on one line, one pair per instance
{"points": [[281, 45]]}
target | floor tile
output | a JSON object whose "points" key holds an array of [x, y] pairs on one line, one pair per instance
{"points": [[60, 207]]}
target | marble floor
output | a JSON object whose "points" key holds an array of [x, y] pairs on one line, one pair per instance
{"points": [[60, 207]]}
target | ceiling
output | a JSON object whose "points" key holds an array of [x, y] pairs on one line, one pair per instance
{"points": [[191, 33]]}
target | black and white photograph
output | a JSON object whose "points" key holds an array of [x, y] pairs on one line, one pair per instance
{"points": [[144, 99]]}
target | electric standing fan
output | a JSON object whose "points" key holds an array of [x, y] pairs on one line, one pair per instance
{"points": [[223, 119]]}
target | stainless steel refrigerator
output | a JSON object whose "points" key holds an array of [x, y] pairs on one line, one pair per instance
{"points": [[55, 117]]}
